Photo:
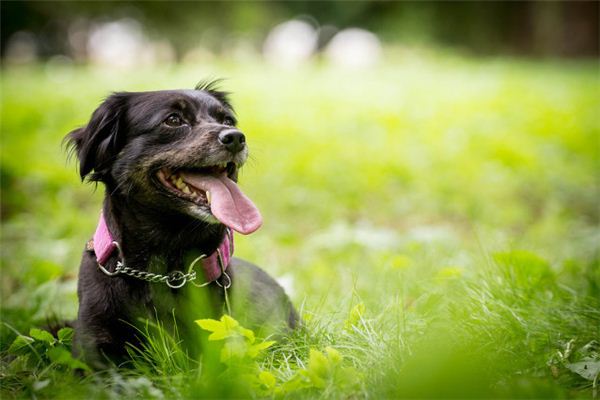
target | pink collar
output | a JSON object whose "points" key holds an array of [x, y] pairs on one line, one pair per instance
{"points": [[104, 245]]}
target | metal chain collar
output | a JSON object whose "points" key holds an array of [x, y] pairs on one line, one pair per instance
{"points": [[175, 279]]}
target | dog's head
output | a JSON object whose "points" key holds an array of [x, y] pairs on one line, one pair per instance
{"points": [[171, 150]]}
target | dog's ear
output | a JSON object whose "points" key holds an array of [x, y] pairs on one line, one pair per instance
{"points": [[98, 143]]}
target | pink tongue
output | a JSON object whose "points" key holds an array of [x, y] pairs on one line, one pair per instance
{"points": [[228, 204]]}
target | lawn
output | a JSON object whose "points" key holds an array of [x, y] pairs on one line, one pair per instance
{"points": [[434, 219]]}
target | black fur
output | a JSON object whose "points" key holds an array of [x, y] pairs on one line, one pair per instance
{"points": [[124, 145]]}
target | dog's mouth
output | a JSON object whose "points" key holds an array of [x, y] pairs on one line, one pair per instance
{"points": [[211, 189]]}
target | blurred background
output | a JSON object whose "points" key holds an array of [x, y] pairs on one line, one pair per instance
{"points": [[428, 168], [156, 32]]}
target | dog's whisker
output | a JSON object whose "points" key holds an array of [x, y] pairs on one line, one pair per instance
{"points": [[119, 185]]}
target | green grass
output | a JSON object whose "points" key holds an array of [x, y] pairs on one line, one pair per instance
{"points": [[437, 216]]}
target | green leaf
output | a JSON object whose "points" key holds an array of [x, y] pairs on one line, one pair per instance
{"points": [[65, 335], [318, 362], [41, 335], [59, 355], [233, 350], [247, 333], [218, 335], [319, 368], [20, 345], [218, 328], [267, 379], [255, 349], [208, 324], [355, 316], [62, 356], [225, 328], [297, 382], [334, 356], [228, 322]]}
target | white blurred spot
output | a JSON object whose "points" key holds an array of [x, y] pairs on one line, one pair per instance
{"points": [[116, 44], [21, 48], [287, 283], [122, 44], [342, 234], [431, 234], [354, 48], [290, 43]]}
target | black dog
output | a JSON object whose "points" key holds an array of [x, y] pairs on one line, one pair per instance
{"points": [[169, 162]]}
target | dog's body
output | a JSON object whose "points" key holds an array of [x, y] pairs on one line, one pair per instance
{"points": [[169, 161]]}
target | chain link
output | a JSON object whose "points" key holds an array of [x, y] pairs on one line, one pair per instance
{"points": [[170, 279], [175, 279]]}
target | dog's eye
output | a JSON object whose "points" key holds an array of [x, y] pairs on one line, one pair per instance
{"points": [[174, 120], [228, 121]]}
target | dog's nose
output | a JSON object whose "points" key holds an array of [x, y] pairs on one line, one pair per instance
{"points": [[233, 140]]}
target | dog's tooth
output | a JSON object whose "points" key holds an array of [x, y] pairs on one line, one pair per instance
{"points": [[208, 197], [186, 189]]}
